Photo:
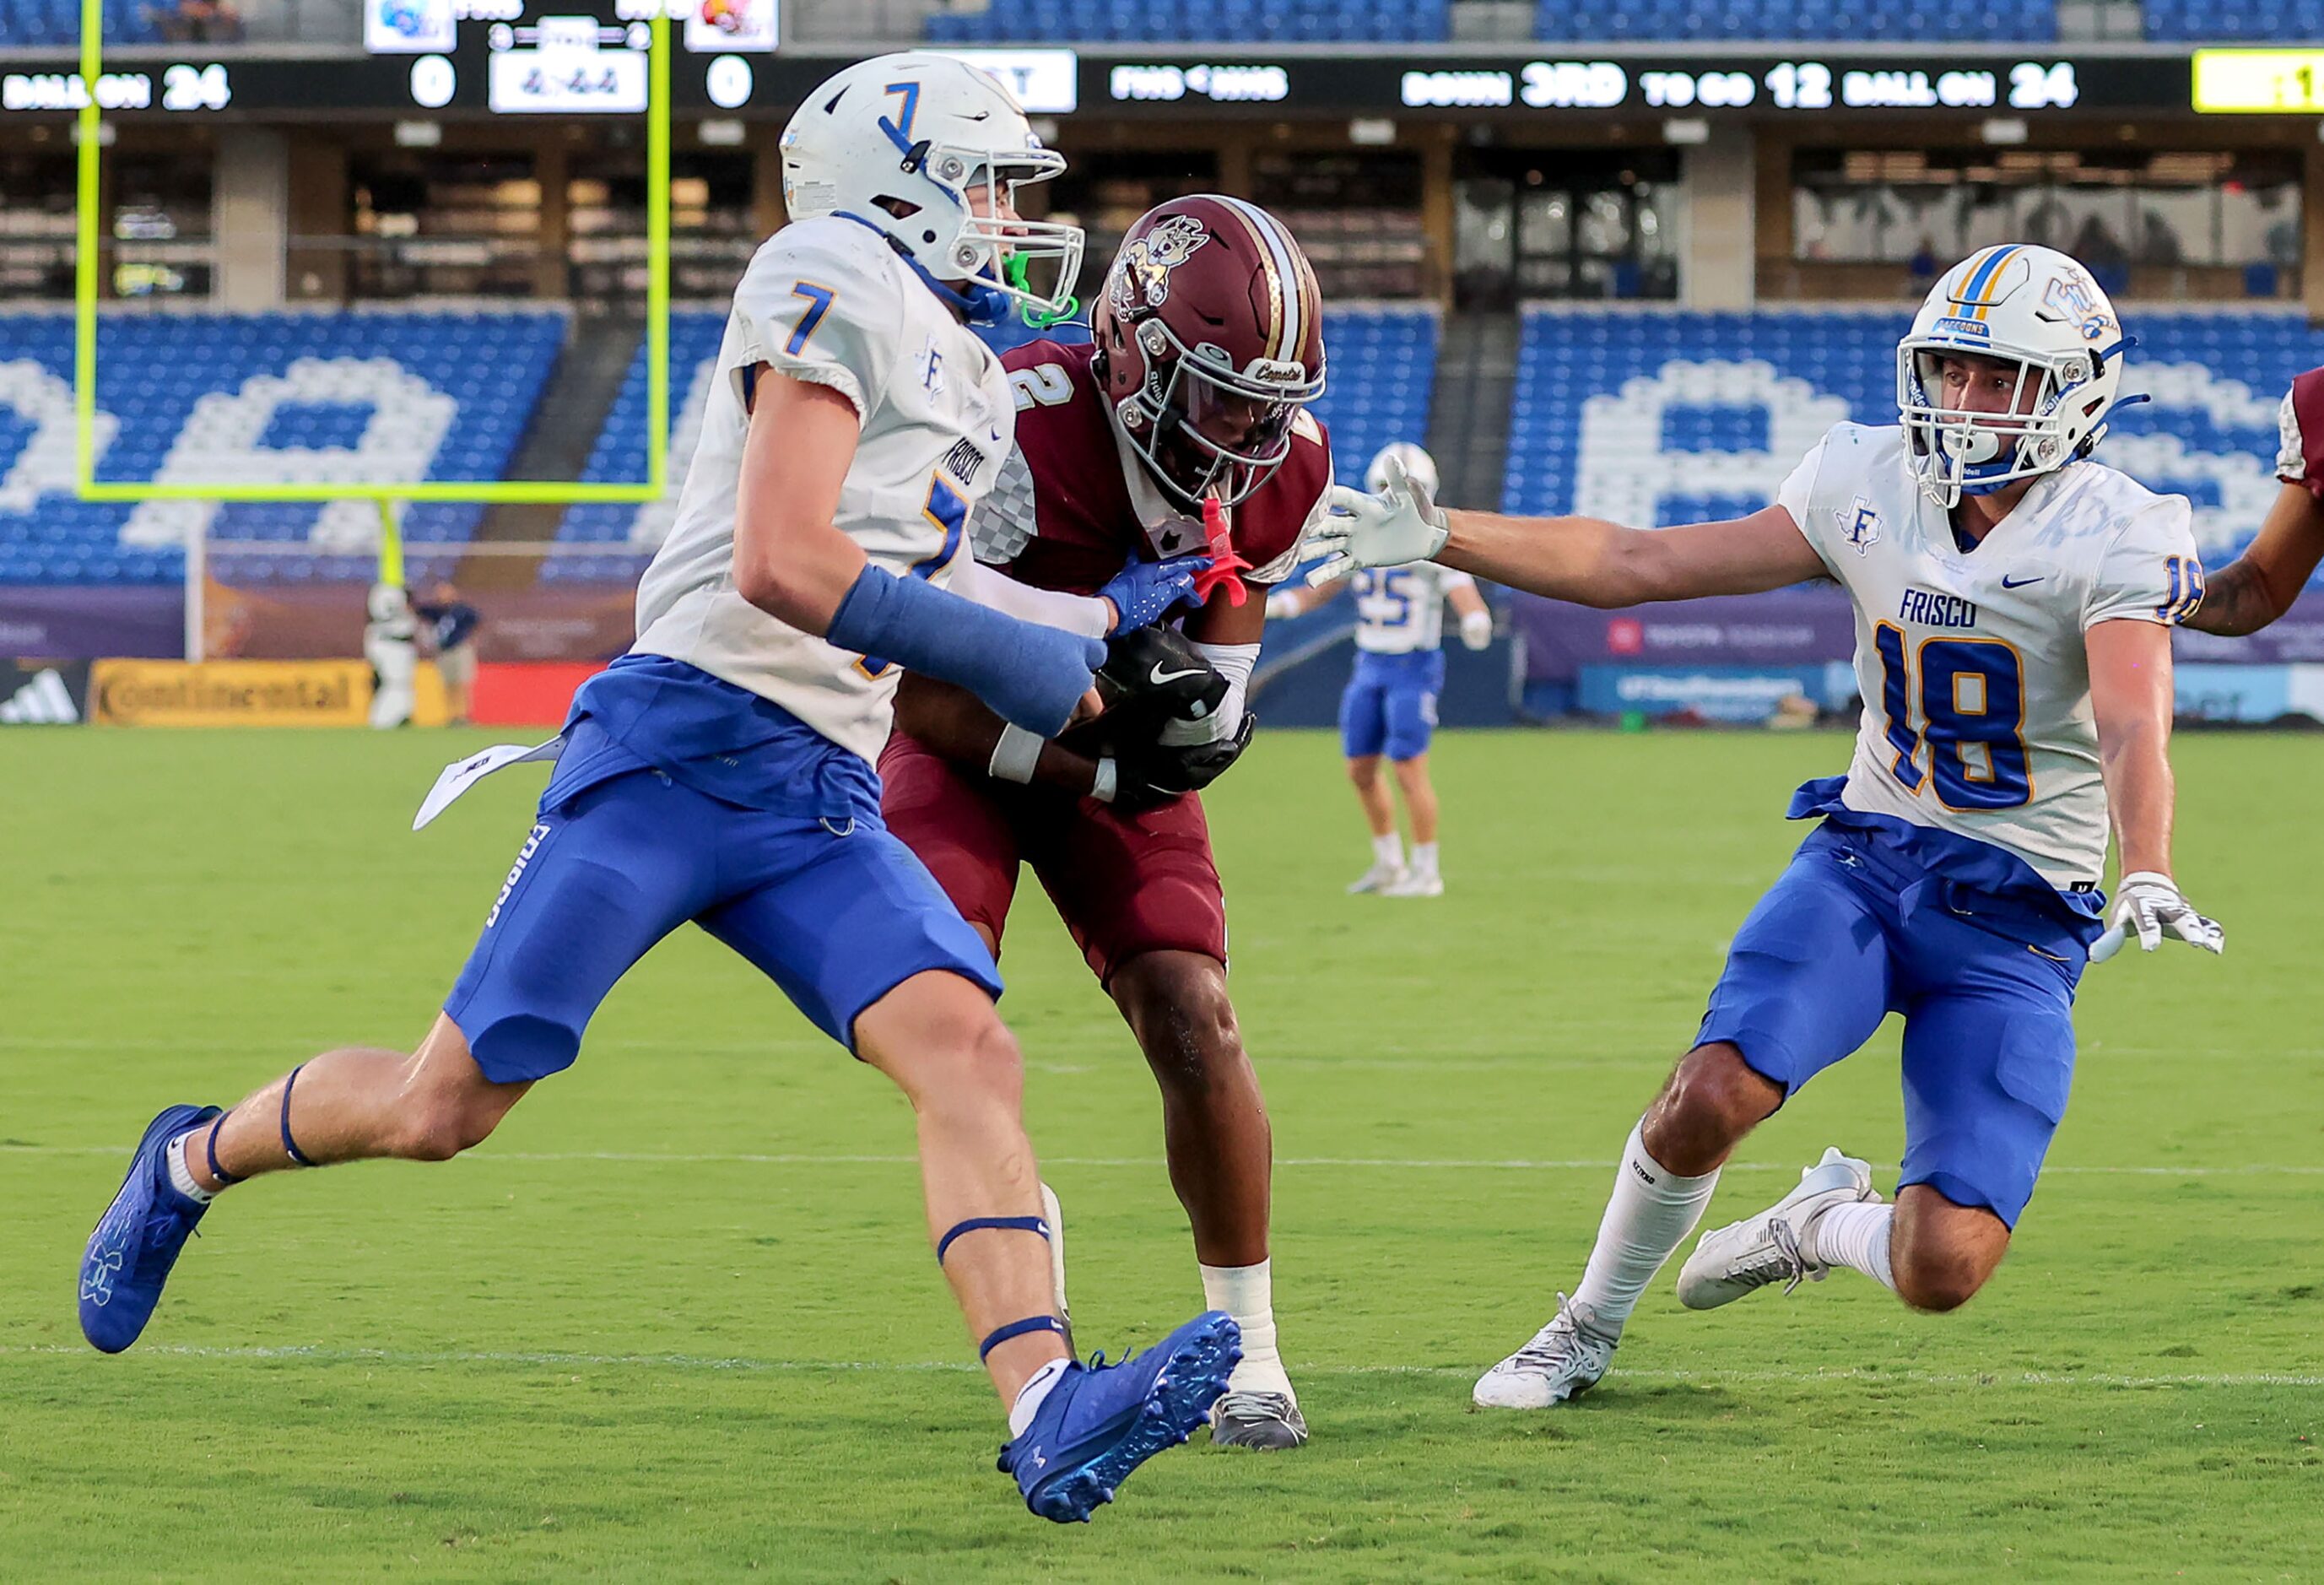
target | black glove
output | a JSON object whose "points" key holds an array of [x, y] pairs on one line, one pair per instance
{"points": [[1160, 674], [1138, 707], [1155, 773]]}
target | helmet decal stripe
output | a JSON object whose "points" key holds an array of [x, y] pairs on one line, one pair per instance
{"points": [[1284, 332], [1979, 290]]}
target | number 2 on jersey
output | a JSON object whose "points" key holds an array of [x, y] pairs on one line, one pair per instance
{"points": [[1972, 699]]}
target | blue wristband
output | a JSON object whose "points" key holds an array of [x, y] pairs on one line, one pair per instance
{"points": [[1032, 676]]}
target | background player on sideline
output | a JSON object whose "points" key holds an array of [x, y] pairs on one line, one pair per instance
{"points": [[1389, 706], [2014, 605], [720, 771]]}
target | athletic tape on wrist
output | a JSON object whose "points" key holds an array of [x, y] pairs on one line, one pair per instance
{"points": [[1107, 782], [1017, 754]]}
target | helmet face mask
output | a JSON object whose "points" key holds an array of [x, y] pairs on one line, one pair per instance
{"points": [[933, 153], [2033, 316], [1210, 346]]}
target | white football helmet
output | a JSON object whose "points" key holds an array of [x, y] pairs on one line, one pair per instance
{"points": [[895, 142], [1419, 466], [2019, 304]]}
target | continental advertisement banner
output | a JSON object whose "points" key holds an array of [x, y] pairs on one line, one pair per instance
{"points": [[230, 693]]}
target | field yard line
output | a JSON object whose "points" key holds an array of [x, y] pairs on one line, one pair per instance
{"points": [[560, 1360], [1448, 1163]]}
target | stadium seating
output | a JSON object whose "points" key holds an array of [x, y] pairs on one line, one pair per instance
{"points": [[37, 24], [256, 399], [1382, 369], [2219, 21], [1274, 21], [1742, 21], [1677, 417]]}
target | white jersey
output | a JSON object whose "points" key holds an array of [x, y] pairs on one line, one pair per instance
{"points": [[1401, 609], [827, 301], [1976, 682]]}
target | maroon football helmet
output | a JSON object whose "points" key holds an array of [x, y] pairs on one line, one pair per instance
{"points": [[1209, 340]]}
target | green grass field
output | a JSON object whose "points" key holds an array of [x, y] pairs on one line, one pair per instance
{"points": [[677, 1319]]}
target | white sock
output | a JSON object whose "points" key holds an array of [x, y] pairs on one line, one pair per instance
{"points": [[1030, 1395], [1856, 1237], [181, 1176], [1423, 857], [1247, 1293], [1388, 850], [1648, 1217]]}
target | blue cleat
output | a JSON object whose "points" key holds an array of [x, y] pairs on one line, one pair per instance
{"points": [[131, 1252], [1101, 1421]]}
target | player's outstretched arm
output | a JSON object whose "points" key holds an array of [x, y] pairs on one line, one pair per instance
{"points": [[792, 561], [2261, 585], [1468, 603], [1585, 560], [2131, 695]]}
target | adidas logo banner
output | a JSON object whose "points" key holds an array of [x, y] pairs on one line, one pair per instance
{"points": [[34, 693]]}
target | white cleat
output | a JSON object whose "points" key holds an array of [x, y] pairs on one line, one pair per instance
{"points": [[1773, 1246], [1269, 1422], [1566, 1359], [1415, 883], [1381, 878]]}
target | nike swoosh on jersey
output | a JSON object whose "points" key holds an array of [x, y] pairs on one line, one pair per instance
{"points": [[2009, 583]]}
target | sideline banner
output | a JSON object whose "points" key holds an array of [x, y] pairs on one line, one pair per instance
{"points": [[230, 693], [44, 693], [510, 693]]}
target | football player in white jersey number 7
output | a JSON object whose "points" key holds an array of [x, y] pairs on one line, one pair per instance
{"points": [[1389, 705], [2014, 605], [722, 772]]}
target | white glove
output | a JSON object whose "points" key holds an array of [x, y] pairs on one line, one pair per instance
{"points": [[2149, 903], [1400, 525], [1477, 629], [1282, 604]]}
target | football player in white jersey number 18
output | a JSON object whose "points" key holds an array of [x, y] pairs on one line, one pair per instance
{"points": [[721, 773], [2013, 604], [1389, 705]]}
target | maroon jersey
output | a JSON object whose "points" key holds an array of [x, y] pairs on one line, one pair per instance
{"points": [[2301, 420], [1071, 505]]}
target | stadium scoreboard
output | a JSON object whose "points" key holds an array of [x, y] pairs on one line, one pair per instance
{"points": [[2246, 82], [480, 58]]}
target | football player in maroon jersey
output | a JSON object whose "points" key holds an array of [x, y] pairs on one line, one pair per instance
{"points": [[1184, 429], [2260, 585]]}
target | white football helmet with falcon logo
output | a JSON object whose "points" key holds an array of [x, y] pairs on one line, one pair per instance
{"points": [[2020, 304], [897, 142]]}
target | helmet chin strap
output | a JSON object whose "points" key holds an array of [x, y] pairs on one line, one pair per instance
{"points": [[977, 304]]}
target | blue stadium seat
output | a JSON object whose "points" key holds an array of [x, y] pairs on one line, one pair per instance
{"points": [[1681, 417], [1298, 22], [1785, 20], [1381, 370], [2223, 21], [218, 395]]}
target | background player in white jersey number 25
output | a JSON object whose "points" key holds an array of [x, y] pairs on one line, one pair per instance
{"points": [[1389, 705], [2014, 604], [722, 770]]}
